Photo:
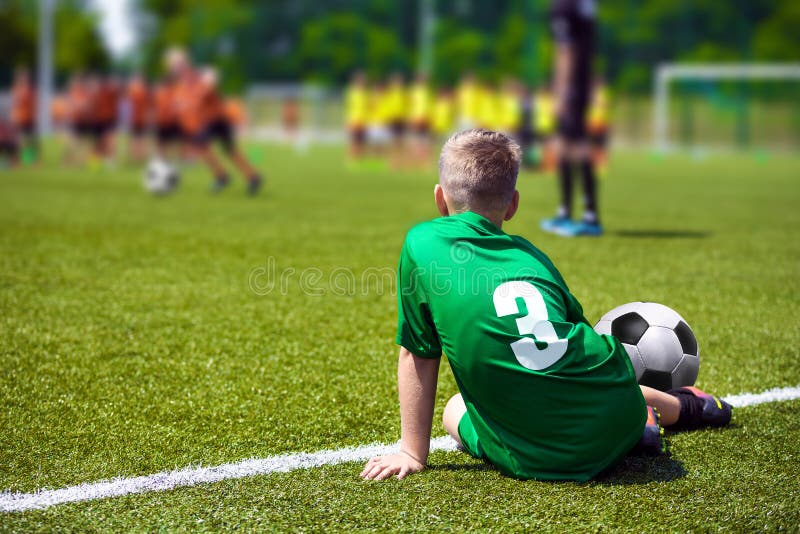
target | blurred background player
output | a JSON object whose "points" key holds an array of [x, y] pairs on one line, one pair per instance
{"points": [[139, 108], [467, 96], [23, 114], [356, 102], [544, 120], [421, 110], [105, 106], [378, 132], [79, 119], [573, 29], [201, 111], [9, 147], [443, 115], [395, 104], [599, 125], [168, 133]]}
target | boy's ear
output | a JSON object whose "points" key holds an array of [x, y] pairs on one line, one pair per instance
{"points": [[441, 203], [512, 208]]}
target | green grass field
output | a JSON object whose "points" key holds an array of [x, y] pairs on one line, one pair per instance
{"points": [[133, 341]]}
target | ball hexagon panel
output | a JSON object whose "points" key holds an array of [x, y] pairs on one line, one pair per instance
{"points": [[660, 349], [629, 328]]}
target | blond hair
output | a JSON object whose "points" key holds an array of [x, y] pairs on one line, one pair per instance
{"points": [[478, 170]]}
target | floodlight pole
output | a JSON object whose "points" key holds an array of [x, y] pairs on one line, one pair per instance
{"points": [[45, 67]]}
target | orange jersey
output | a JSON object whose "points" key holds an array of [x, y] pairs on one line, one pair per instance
{"points": [[59, 110], [188, 99], [164, 105], [106, 103], [139, 98], [23, 106], [234, 112], [199, 104], [80, 108]]}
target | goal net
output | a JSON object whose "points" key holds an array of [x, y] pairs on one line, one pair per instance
{"points": [[730, 106]]}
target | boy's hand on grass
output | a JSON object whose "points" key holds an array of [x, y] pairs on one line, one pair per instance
{"points": [[382, 467]]}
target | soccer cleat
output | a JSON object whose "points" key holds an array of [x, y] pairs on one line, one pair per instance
{"points": [[557, 225], [219, 184], [652, 442], [593, 229], [254, 185], [716, 412]]}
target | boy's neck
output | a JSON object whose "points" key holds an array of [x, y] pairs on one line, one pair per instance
{"points": [[493, 218]]}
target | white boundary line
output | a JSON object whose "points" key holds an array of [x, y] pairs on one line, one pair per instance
{"points": [[283, 463]]}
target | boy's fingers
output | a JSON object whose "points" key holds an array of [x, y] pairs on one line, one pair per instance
{"points": [[374, 471], [404, 471], [387, 472], [370, 464]]}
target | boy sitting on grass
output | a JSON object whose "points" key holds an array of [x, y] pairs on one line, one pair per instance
{"points": [[542, 395]]}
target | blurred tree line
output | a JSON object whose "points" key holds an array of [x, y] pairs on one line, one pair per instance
{"points": [[77, 46], [289, 40], [312, 40]]}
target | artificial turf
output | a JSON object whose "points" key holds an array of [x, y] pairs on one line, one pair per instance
{"points": [[140, 334]]}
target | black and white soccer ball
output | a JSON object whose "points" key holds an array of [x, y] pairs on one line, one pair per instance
{"points": [[660, 343], [160, 177]]}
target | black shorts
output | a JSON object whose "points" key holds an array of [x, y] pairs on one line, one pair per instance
{"points": [[102, 128], [9, 148], [599, 137], [572, 123], [525, 136], [78, 129], [28, 129], [358, 135], [421, 128], [168, 133], [397, 127], [138, 130], [220, 131]]}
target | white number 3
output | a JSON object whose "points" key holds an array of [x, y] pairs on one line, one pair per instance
{"points": [[534, 323]]}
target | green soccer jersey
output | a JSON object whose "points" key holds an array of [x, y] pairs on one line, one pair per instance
{"points": [[547, 397]]}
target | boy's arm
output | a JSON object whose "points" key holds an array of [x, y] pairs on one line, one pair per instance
{"points": [[416, 383]]}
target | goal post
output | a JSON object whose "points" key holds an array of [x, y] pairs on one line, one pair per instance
{"points": [[667, 74]]}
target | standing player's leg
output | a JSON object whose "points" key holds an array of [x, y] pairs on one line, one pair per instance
{"points": [[576, 153], [199, 145], [223, 132], [561, 224]]}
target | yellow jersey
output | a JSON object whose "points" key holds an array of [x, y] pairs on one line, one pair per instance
{"points": [[544, 112], [598, 110], [443, 115], [356, 103], [468, 102], [510, 112], [394, 100], [421, 103]]}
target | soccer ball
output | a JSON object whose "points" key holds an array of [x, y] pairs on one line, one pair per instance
{"points": [[160, 177], [660, 343]]}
